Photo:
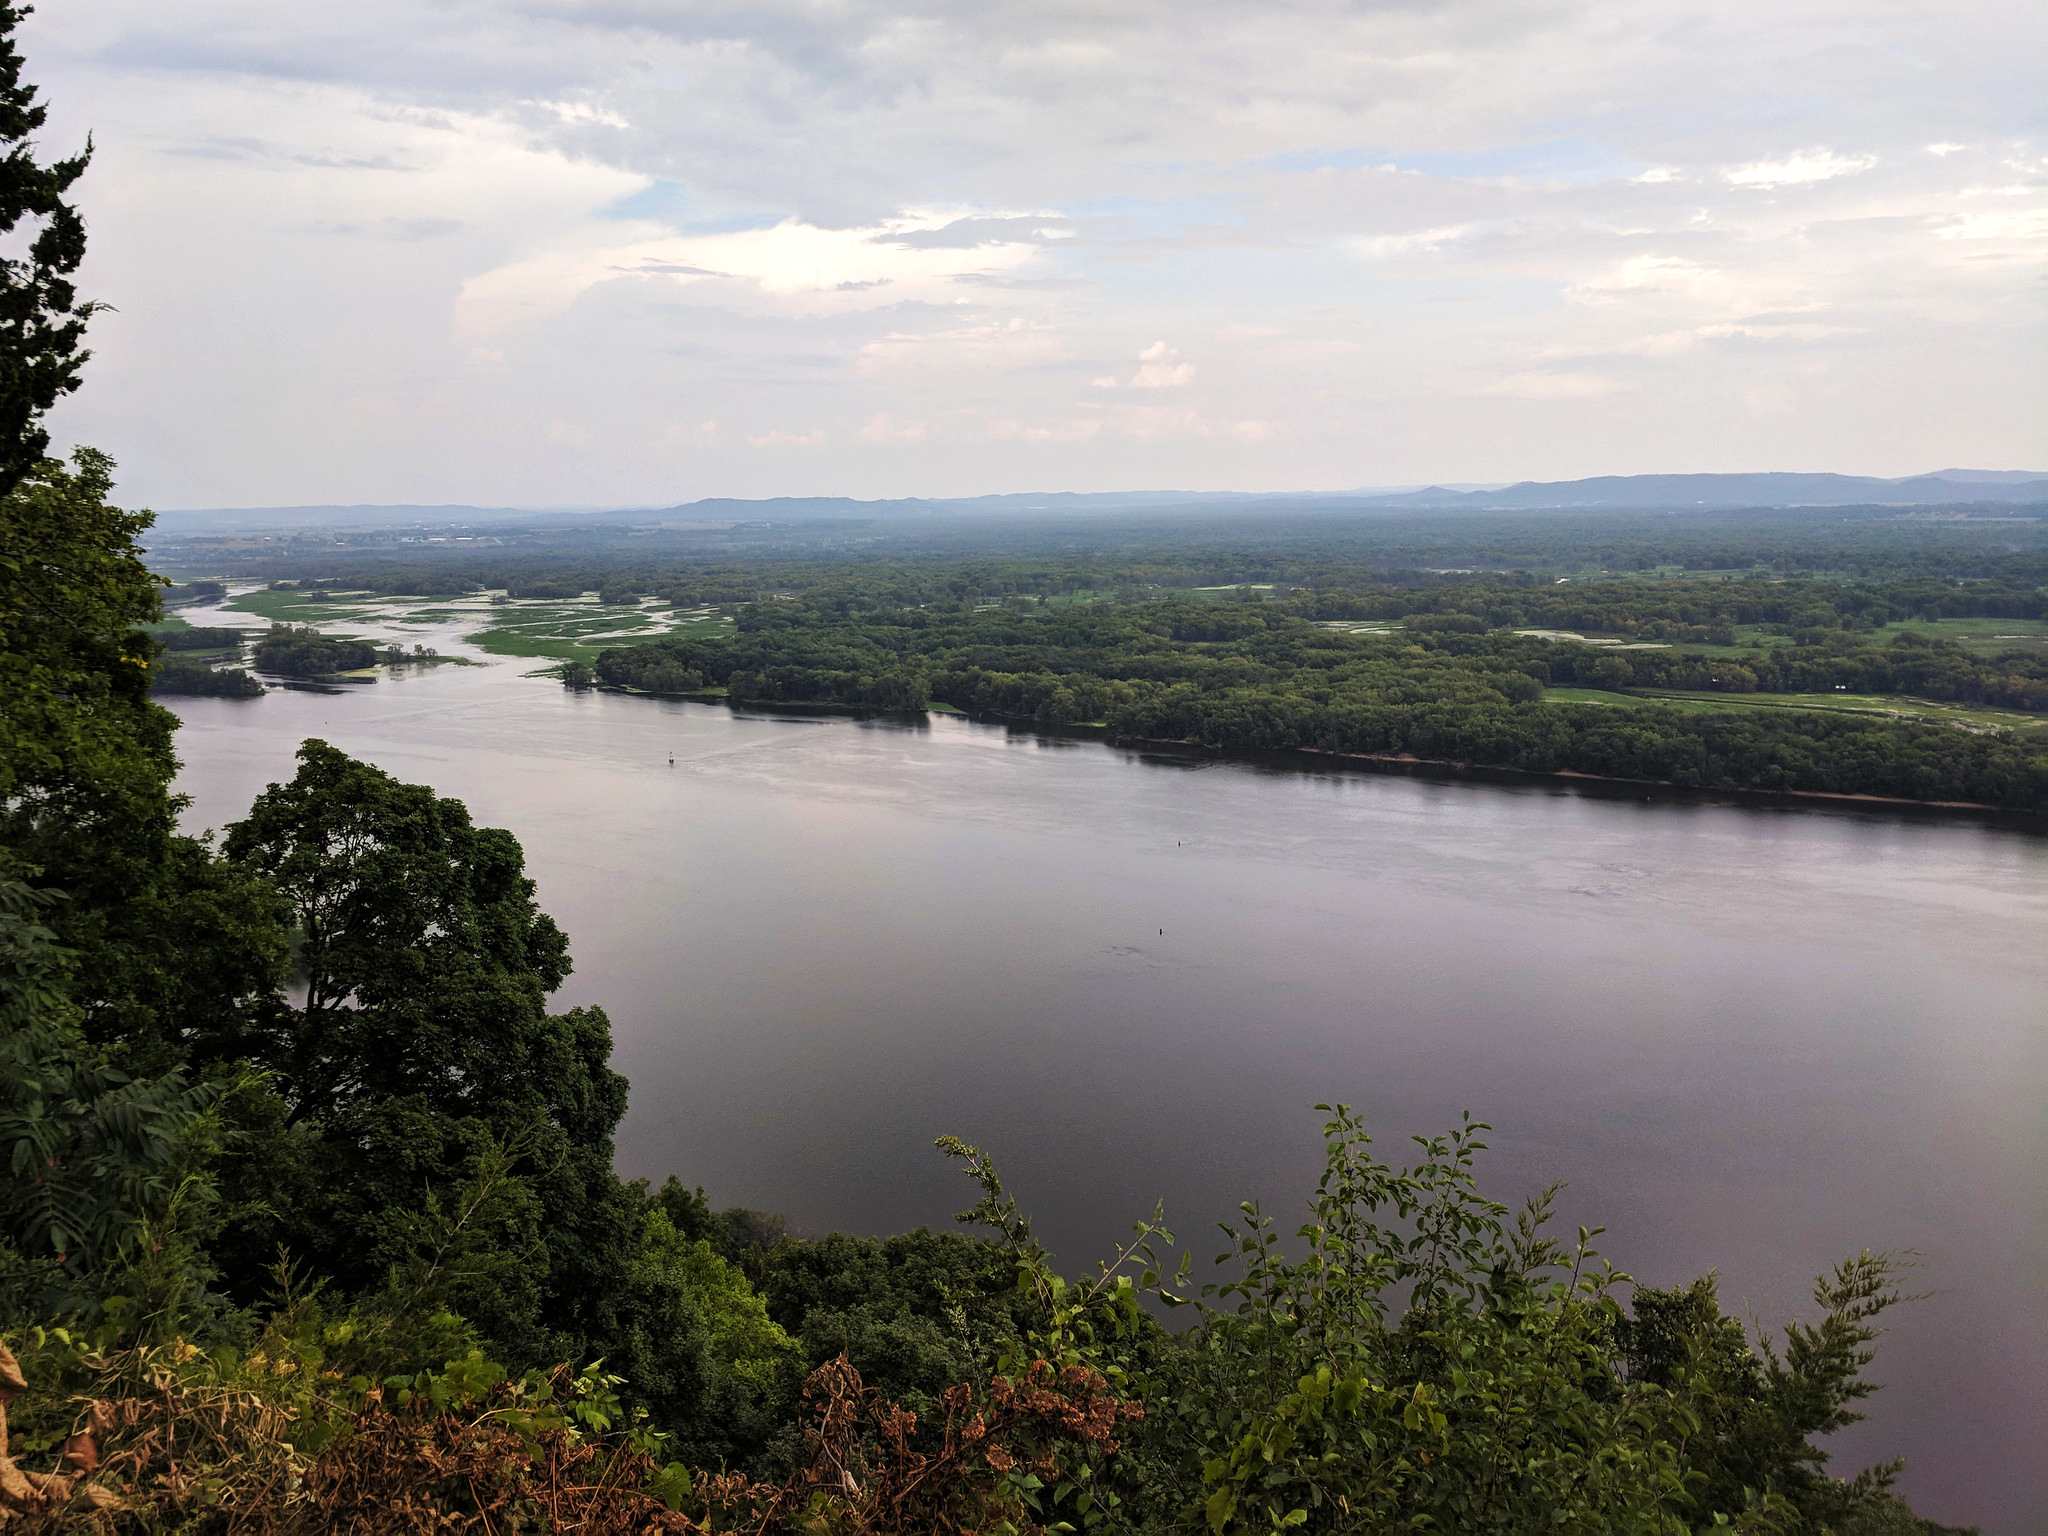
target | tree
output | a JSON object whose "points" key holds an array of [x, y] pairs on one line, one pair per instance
{"points": [[104, 1174], [85, 773], [42, 319], [699, 1349], [424, 1038], [85, 758]]}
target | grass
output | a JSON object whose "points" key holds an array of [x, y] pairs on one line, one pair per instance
{"points": [[1888, 706], [1987, 637], [297, 608], [1358, 626], [1605, 642], [547, 629], [579, 632]]}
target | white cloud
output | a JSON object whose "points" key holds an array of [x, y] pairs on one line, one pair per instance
{"points": [[1162, 367], [1998, 224], [692, 434], [1945, 148], [567, 434], [979, 348], [1646, 274], [1658, 175], [1672, 343], [789, 264], [1800, 169], [1252, 430], [1414, 242], [777, 437], [885, 429], [582, 112]]}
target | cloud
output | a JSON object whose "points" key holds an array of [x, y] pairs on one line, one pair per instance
{"points": [[1801, 169], [462, 222], [582, 112], [968, 234], [1646, 274], [884, 429], [1162, 367], [984, 345], [2026, 224], [1414, 242], [789, 260], [1071, 430], [1553, 386]]}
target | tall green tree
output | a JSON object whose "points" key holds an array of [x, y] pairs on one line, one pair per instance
{"points": [[173, 943], [42, 318], [422, 1040]]}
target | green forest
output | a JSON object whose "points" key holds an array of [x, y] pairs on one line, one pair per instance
{"points": [[311, 1220], [1452, 682]]}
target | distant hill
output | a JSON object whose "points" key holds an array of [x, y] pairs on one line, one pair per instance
{"points": [[1678, 492], [1643, 492], [353, 515]]}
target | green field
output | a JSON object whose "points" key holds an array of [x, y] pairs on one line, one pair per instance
{"points": [[1358, 626], [581, 631], [1891, 706], [1987, 637], [297, 608], [551, 629]]}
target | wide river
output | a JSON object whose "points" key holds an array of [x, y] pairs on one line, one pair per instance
{"points": [[1750, 1040]]}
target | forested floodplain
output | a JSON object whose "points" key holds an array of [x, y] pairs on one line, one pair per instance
{"points": [[1911, 715], [1848, 651]]}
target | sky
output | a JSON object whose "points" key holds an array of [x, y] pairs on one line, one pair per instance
{"points": [[634, 252]]}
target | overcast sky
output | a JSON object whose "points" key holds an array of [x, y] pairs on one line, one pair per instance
{"points": [[553, 252]]}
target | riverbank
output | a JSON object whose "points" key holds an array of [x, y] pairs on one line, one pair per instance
{"points": [[1605, 786]]}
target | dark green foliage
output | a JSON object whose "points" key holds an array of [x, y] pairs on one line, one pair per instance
{"points": [[295, 650], [184, 594], [85, 758], [700, 1349], [182, 675], [42, 319], [914, 1313], [101, 1173], [1416, 1357], [424, 1038], [193, 639], [85, 769], [1262, 678]]}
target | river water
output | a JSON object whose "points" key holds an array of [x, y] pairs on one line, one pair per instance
{"points": [[1753, 1040]]}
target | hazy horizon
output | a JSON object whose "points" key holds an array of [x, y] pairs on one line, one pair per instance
{"points": [[598, 252]]}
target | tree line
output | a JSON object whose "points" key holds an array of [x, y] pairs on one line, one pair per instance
{"points": [[1259, 677]]}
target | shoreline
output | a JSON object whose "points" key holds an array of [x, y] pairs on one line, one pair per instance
{"points": [[1609, 786]]}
